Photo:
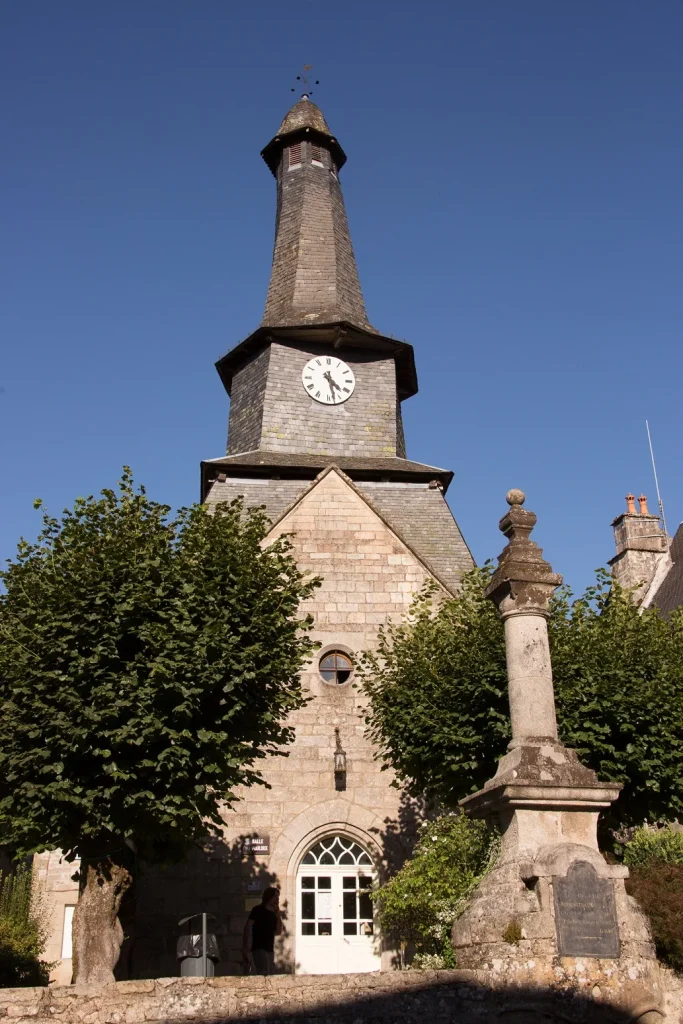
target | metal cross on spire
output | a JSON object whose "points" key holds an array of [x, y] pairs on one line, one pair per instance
{"points": [[306, 81]]}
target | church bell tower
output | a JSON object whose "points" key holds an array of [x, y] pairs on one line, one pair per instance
{"points": [[316, 384], [315, 435]]}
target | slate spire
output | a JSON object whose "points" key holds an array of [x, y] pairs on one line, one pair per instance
{"points": [[314, 278]]}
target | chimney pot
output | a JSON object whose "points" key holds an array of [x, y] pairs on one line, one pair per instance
{"points": [[631, 504], [642, 501]]}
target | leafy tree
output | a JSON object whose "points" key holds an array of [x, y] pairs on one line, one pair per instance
{"points": [[420, 903], [23, 931], [147, 665], [438, 706], [619, 688], [438, 692]]}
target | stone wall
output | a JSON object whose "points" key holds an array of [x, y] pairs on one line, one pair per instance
{"points": [[402, 997], [55, 876]]}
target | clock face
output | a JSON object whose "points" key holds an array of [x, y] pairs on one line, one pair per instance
{"points": [[328, 380]]}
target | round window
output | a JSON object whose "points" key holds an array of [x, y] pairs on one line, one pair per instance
{"points": [[335, 667]]}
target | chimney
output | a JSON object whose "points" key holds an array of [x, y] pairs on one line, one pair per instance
{"points": [[641, 545]]}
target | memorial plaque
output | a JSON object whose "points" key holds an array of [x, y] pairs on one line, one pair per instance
{"points": [[585, 913]]}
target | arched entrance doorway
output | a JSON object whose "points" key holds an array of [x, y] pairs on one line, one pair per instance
{"points": [[336, 932]]}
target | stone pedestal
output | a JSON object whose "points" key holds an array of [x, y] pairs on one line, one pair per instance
{"points": [[552, 907]]}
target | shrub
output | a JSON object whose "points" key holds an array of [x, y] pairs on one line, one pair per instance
{"points": [[650, 843], [420, 903], [23, 933], [658, 887]]}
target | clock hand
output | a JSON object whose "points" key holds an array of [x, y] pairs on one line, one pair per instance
{"points": [[333, 384]]}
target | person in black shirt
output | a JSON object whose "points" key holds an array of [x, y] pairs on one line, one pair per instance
{"points": [[258, 940]]}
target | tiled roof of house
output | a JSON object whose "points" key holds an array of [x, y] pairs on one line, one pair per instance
{"points": [[669, 596]]}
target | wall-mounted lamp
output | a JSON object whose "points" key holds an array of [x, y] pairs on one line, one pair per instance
{"points": [[339, 763]]}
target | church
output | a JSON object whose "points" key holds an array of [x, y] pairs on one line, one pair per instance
{"points": [[315, 435]]}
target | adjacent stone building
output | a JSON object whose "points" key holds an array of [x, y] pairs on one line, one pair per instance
{"points": [[647, 560], [315, 435]]}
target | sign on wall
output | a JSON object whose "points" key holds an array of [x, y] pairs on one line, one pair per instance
{"points": [[253, 846], [585, 913]]}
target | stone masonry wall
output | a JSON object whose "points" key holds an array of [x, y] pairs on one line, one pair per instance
{"points": [[401, 997], [369, 577], [364, 425], [55, 875]]}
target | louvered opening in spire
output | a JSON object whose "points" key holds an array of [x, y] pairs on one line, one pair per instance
{"points": [[314, 278]]}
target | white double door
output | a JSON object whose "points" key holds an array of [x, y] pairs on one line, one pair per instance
{"points": [[336, 933]]}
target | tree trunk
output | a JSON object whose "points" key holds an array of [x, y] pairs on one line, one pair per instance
{"points": [[97, 931]]}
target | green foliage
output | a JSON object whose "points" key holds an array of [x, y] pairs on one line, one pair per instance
{"points": [[23, 932], [438, 692], [658, 887], [147, 664], [619, 689], [660, 845], [439, 707], [420, 903]]}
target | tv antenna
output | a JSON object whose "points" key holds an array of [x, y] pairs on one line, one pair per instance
{"points": [[654, 470], [306, 81]]}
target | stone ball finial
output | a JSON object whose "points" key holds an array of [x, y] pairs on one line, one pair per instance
{"points": [[515, 497]]}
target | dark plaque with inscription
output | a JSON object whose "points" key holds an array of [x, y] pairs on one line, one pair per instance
{"points": [[253, 845], [585, 913]]}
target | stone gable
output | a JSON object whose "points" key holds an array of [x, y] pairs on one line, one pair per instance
{"points": [[369, 573]]}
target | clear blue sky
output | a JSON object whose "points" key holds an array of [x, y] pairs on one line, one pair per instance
{"points": [[514, 192]]}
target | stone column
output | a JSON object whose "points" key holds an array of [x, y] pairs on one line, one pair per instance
{"points": [[552, 911], [521, 588]]}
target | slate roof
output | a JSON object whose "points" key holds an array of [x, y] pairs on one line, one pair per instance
{"points": [[276, 496], [314, 277], [422, 518], [416, 513], [307, 467], [304, 121], [669, 596], [304, 114]]}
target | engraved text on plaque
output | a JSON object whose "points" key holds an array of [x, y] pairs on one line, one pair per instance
{"points": [[585, 913]]}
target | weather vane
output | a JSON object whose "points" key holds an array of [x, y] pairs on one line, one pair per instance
{"points": [[306, 81]]}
